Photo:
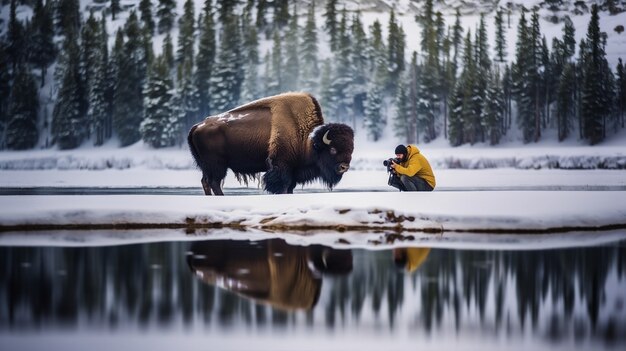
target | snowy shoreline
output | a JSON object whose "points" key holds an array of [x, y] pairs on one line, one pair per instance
{"points": [[436, 212]]}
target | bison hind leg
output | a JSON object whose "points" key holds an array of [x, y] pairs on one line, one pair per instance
{"points": [[206, 186], [216, 186]]}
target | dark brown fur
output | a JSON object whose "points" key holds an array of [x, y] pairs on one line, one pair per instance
{"points": [[271, 135]]}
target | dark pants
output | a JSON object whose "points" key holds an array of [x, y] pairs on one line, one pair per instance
{"points": [[406, 183]]}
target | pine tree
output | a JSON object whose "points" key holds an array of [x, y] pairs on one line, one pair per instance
{"points": [[186, 102], [68, 17], [341, 78], [205, 59], [186, 34], [41, 47], [21, 130], [569, 40], [274, 76], [330, 23], [281, 13], [227, 74], [90, 50], [15, 46], [168, 52], [374, 120], [5, 92], [251, 89], [226, 10], [565, 104], [401, 120], [412, 135], [395, 46], [145, 8], [69, 123], [261, 20], [359, 65], [115, 8], [525, 79], [128, 98], [292, 59], [309, 54], [326, 91], [500, 38], [457, 41], [493, 108], [621, 90], [158, 106], [166, 14], [594, 109], [99, 110], [455, 118]]}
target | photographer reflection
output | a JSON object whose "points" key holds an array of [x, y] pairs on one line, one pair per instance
{"points": [[410, 170], [410, 258], [270, 271]]}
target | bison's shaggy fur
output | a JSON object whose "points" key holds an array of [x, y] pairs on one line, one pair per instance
{"points": [[283, 136]]}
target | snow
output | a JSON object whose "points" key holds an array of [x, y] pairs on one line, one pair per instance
{"points": [[510, 188]]}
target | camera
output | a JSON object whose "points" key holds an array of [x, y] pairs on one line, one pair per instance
{"points": [[387, 163]]}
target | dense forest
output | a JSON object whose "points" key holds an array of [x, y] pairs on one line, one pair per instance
{"points": [[106, 84]]}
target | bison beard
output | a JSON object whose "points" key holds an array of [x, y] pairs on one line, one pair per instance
{"points": [[283, 136]]}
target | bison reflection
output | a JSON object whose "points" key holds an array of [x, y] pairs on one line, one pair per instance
{"points": [[272, 272]]}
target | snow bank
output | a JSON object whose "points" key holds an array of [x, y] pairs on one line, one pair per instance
{"points": [[436, 212]]}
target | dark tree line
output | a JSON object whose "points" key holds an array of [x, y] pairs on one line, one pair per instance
{"points": [[456, 86]]}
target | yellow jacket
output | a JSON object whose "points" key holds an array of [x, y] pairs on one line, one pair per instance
{"points": [[416, 164]]}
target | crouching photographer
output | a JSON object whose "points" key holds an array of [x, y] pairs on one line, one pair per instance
{"points": [[410, 170]]}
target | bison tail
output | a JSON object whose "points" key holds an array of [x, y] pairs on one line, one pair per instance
{"points": [[192, 148]]}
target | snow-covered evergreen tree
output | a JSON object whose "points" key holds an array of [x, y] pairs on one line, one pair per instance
{"points": [[128, 97], [21, 128], [168, 52], [69, 122], [166, 14], [251, 89], [99, 110], [500, 46], [402, 116], [205, 59], [274, 70], [90, 51], [158, 106], [41, 47], [115, 8], [396, 42], [596, 89], [342, 78], [330, 23], [359, 65], [145, 8], [186, 34], [227, 74], [186, 101], [309, 54], [291, 77], [374, 121], [493, 107]]}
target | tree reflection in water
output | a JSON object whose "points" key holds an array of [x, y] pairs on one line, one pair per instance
{"points": [[556, 294]]}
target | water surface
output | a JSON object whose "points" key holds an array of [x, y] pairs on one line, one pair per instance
{"points": [[268, 294]]}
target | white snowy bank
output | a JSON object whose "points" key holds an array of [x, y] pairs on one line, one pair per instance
{"points": [[502, 211]]}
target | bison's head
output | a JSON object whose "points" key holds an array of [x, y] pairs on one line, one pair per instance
{"points": [[333, 143]]}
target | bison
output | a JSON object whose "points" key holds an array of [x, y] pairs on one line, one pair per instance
{"points": [[283, 136]]}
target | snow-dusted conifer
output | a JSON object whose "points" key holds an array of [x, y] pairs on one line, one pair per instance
{"points": [[291, 77], [227, 75], [145, 8], [166, 14], [205, 59], [309, 54], [500, 46], [41, 47], [21, 128], [274, 73], [186, 102], [330, 23], [69, 123], [186, 34], [128, 98], [158, 106]]}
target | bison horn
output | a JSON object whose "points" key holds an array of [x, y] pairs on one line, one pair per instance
{"points": [[325, 138]]}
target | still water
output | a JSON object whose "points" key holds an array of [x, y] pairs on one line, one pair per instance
{"points": [[271, 295]]}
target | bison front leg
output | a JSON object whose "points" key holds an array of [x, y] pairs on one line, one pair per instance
{"points": [[278, 179]]}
